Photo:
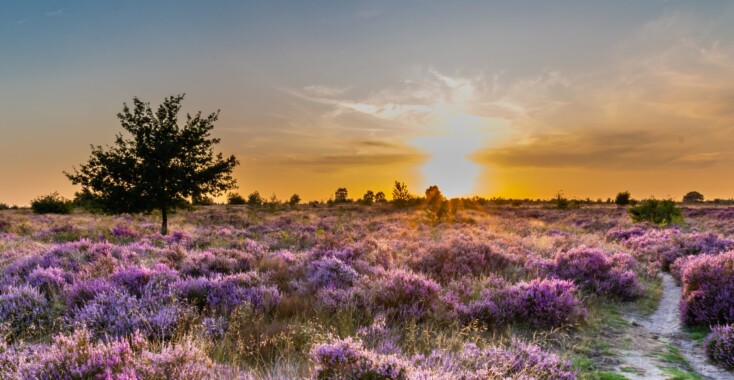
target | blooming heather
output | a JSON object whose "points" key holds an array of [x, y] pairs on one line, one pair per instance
{"points": [[708, 290], [720, 346]]}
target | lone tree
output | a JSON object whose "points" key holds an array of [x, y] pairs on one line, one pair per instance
{"points": [[693, 197], [160, 167], [401, 196], [622, 199]]}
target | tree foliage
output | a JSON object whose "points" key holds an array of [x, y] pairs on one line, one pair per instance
{"points": [[160, 165], [341, 195], [401, 196], [693, 197], [368, 198], [295, 200], [622, 199]]}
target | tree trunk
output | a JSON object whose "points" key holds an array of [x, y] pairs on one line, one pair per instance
{"points": [[164, 225]]}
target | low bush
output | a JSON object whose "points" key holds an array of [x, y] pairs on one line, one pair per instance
{"points": [[23, 311], [51, 204], [78, 357], [595, 271], [348, 359], [461, 257], [519, 360], [544, 303], [708, 290], [401, 294], [660, 212], [720, 346]]}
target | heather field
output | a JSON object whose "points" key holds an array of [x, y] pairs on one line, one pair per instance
{"points": [[366, 292]]}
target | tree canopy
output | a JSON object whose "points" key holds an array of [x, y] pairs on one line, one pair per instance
{"points": [[693, 197], [159, 166]]}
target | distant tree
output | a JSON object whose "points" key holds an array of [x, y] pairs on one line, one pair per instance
{"points": [[401, 196], [380, 197], [295, 200], [341, 195], [693, 197], [437, 206], [235, 199], [161, 166], [51, 204], [4, 206], [368, 198], [561, 201], [254, 199], [434, 195], [622, 199]]}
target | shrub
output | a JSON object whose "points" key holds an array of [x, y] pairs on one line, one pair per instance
{"points": [[548, 303], [116, 313], [461, 257], [51, 204], [235, 199], [4, 206], [519, 360], [49, 280], [23, 311], [348, 359], [720, 346], [595, 271], [708, 290], [78, 357], [224, 294], [539, 303], [402, 294], [331, 272], [660, 212]]}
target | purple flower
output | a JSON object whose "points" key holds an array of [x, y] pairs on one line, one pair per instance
{"points": [[720, 346]]}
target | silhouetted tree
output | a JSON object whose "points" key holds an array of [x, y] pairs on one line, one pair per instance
{"points": [[368, 198], [693, 197], [340, 196], [380, 197], [295, 199], [161, 166], [401, 196], [235, 199], [437, 206], [622, 199], [254, 199]]}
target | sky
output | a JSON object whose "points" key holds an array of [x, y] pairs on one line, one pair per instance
{"points": [[491, 98]]}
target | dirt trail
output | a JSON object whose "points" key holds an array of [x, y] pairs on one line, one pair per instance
{"points": [[651, 337]]}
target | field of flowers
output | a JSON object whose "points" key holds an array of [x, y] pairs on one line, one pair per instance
{"points": [[347, 291]]}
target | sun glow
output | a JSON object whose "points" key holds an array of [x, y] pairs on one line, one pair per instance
{"points": [[450, 166]]}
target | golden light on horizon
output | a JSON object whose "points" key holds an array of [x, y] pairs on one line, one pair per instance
{"points": [[457, 137]]}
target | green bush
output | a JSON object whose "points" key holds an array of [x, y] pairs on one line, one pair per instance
{"points": [[661, 212], [51, 204], [4, 206]]}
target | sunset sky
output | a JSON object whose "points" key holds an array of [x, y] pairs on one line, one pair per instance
{"points": [[494, 98]]}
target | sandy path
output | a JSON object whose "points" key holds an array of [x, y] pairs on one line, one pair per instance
{"points": [[655, 333]]}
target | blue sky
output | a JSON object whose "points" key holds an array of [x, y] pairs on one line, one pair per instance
{"points": [[317, 95]]}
